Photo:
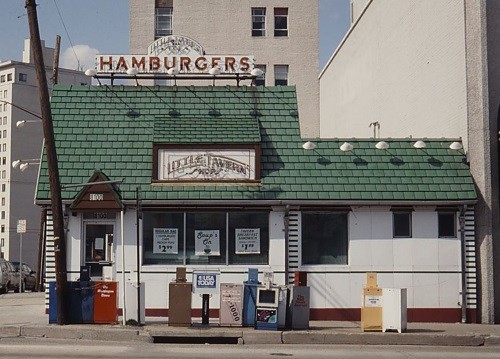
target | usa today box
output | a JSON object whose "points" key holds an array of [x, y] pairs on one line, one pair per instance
{"points": [[206, 282]]}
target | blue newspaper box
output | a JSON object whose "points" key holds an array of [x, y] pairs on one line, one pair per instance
{"points": [[52, 303]]}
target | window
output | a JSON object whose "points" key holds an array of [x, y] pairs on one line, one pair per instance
{"points": [[4, 133], [281, 75], [4, 174], [206, 238], [2, 228], [3, 187], [23, 77], [258, 21], [5, 120], [2, 78], [3, 214], [261, 80], [280, 21], [401, 224], [4, 147], [4, 160], [324, 238], [3, 201], [5, 93], [163, 21], [9, 77], [447, 225]]}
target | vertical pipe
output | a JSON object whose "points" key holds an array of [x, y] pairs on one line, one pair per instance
{"points": [[286, 220], [463, 263], [138, 217], [124, 310]]}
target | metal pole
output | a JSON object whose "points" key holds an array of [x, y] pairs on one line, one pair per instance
{"points": [[464, 264], [138, 217], [53, 170], [20, 262], [124, 310]]}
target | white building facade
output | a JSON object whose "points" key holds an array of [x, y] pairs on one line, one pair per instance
{"points": [[21, 140], [426, 68]]}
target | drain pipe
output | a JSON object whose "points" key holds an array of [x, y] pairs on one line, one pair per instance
{"points": [[286, 221], [464, 263]]}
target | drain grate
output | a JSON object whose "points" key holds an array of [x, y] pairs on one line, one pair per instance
{"points": [[194, 340]]}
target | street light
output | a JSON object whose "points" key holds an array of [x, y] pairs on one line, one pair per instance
{"points": [[21, 123], [24, 164]]}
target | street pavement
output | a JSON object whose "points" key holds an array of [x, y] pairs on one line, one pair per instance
{"points": [[23, 315]]}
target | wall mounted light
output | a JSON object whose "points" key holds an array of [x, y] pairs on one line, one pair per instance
{"points": [[309, 146], [90, 72], [456, 146], [382, 145], [257, 72], [419, 144], [346, 147]]}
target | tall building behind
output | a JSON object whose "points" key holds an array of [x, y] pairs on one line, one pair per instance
{"points": [[427, 68], [21, 144], [283, 36]]}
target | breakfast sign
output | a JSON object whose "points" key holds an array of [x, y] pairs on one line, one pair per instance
{"points": [[178, 52]]}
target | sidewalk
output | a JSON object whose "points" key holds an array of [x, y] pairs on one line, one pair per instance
{"points": [[23, 315]]}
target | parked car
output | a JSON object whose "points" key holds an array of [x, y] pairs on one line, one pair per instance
{"points": [[9, 277], [29, 278]]}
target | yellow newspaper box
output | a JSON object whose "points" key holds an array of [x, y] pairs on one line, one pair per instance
{"points": [[371, 306]]}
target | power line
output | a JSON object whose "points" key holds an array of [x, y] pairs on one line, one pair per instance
{"points": [[67, 34]]}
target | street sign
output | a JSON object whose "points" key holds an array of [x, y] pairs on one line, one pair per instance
{"points": [[21, 226]]}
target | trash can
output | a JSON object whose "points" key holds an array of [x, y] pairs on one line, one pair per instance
{"points": [[231, 305], [105, 302]]}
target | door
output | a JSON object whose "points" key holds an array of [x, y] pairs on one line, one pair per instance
{"points": [[99, 249]]}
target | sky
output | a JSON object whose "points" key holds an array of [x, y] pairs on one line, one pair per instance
{"points": [[102, 26]]}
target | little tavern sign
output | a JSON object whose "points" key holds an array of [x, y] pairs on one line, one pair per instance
{"points": [[214, 165], [180, 52]]}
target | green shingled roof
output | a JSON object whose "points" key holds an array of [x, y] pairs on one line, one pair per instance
{"points": [[113, 129]]}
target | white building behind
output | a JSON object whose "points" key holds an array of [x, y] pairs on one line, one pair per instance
{"points": [[19, 87], [283, 36]]}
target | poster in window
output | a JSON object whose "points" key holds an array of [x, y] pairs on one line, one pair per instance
{"points": [[99, 243], [207, 243], [247, 240], [165, 241]]}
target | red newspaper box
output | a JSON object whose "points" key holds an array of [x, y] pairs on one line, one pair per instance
{"points": [[105, 302]]}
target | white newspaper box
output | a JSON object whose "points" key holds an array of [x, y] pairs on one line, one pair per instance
{"points": [[394, 309], [231, 305]]}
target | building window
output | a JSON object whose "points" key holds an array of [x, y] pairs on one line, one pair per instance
{"points": [[9, 77], [401, 224], [5, 107], [280, 21], [324, 238], [4, 147], [2, 228], [5, 120], [4, 160], [5, 93], [4, 133], [258, 21], [4, 174], [163, 21], [2, 78], [447, 225], [281, 75], [261, 80], [3, 187], [23, 77], [206, 238], [3, 201], [3, 214]]}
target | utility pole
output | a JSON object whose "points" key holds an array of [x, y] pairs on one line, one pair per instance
{"points": [[55, 66], [50, 150]]}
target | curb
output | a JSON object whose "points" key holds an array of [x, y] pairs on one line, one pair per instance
{"points": [[147, 335]]}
